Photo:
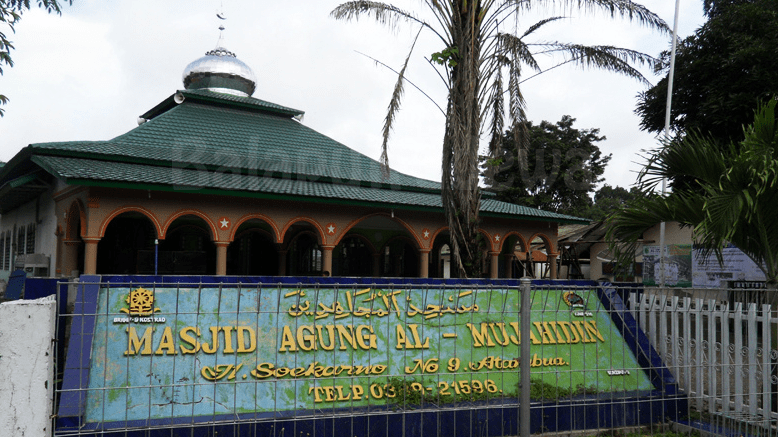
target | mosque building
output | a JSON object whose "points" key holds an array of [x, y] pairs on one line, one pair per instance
{"points": [[216, 182]]}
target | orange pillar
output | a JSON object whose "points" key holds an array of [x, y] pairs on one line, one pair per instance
{"points": [[424, 264], [552, 259], [494, 265], [221, 257], [69, 260], [326, 262], [90, 256]]}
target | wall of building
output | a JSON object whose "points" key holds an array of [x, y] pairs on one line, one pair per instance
{"points": [[223, 215], [164, 207], [27, 365], [39, 212], [674, 234]]}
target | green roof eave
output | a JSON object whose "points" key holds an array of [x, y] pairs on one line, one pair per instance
{"points": [[220, 99], [269, 185], [570, 220], [247, 194], [299, 198], [113, 158], [15, 162], [18, 182], [264, 173]]}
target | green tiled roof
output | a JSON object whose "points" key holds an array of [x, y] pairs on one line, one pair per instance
{"points": [[200, 134], [223, 144]]}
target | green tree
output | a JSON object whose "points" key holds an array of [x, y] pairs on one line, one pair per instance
{"points": [[609, 199], [729, 197], [10, 13], [558, 171], [722, 71], [481, 61]]}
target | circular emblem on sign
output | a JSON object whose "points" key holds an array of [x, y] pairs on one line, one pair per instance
{"points": [[331, 228], [425, 233], [224, 223], [573, 300]]}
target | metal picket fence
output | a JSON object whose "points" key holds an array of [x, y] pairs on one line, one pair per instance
{"points": [[316, 358], [723, 353]]}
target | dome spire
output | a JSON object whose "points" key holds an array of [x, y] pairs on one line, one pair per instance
{"points": [[220, 42]]}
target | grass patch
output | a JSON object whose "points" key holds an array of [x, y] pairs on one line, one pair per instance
{"points": [[540, 390]]}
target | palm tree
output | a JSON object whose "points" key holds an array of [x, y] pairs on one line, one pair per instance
{"points": [[482, 65], [726, 194]]}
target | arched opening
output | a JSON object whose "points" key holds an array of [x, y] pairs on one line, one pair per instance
{"points": [[188, 248], [353, 257], [400, 258], [515, 258], [541, 248], [441, 259], [305, 255], [127, 247], [253, 251]]}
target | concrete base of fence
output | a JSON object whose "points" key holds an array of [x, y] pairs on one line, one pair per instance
{"points": [[27, 366]]}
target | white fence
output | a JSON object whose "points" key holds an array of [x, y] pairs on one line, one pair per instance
{"points": [[722, 354]]}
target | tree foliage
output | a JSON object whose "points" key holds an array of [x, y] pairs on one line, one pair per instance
{"points": [[10, 13], [722, 71], [558, 171], [730, 196], [481, 59], [608, 200]]}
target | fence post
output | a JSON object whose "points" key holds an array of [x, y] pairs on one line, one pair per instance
{"points": [[26, 346], [524, 365]]}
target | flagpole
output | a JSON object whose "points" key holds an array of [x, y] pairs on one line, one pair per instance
{"points": [[667, 138]]}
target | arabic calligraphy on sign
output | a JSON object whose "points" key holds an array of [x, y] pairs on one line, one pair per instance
{"points": [[374, 303]]}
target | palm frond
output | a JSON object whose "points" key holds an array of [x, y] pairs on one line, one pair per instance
{"points": [[513, 45], [495, 103], [616, 8], [394, 106], [691, 161], [627, 9], [726, 193], [625, 228], [540, 24], [384, 13], [424, 93], [609, 58], [518, 114]]}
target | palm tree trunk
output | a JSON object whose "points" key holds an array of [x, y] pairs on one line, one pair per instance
{"points": [[460, 193]]}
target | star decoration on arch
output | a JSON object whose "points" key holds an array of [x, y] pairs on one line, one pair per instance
{"points": [[497, 238], [425, 233], [224, 223], [331, 228]]}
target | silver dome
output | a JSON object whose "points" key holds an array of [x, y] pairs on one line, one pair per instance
{"points": [[221, 71]]}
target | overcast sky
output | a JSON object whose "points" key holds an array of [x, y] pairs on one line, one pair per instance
{"points": [[89, 74]]}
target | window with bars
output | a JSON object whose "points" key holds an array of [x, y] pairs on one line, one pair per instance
{"points": [[2, 251], [7, 251], [20, 241], [30, 238]]}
